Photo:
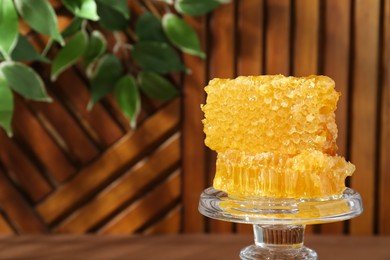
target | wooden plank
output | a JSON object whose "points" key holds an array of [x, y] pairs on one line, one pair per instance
{"points": [[66, 128], [135, 7], [178, 247], [145, 209], [384, 195], [193, 152], [305, 51], [91, 178], [22, 170], [336, 61], [222, 65], [124, 189], [55, 3], [278, 37], [336, 65], [41, 144], [17, 209], [118, 114], [69, 83], [222, 48], [170, 224], [5, 228], [250, 36], [63, 21], [365, 82], [307, 22]]}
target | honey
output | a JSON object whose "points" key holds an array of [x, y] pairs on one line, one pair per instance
{"points": [[275, 136]]}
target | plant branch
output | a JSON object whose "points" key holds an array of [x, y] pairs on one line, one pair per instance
{"points": [[152, 8], [49, 44]]}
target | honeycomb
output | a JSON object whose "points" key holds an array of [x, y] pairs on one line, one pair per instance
{"points": [[309, 174], [275, 136]]}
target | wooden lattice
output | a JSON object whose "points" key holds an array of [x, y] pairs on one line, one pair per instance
{"points": [[69, 170]]}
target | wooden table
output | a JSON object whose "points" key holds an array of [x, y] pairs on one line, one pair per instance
{"points": [[175, 247]]}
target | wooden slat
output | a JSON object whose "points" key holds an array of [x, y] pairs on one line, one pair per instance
{"points": [[17, 209], [222, 50], [193, 155], [307, 22], [250, 37], [5, 228], [250, 55], [78, 144], [123, 190], [147, 208], [178, 247], [42, 145], [169, 224], [97, 173], [76, 94], [116, 111], [22, 170], [305, 51], [278, 37], [365, 82], [222, 65], [384, 191], [137, 10], [55, 3], [63, 21], [336, 65]]}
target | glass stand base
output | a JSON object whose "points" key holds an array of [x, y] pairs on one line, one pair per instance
{"points": [[254, 252], [279, 223], [278, 242]]}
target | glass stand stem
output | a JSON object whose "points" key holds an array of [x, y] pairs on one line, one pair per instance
{"points": [[278, 242]]}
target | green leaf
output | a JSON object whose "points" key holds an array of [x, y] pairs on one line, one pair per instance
{"points": [[82, 8], [6, 106], [111, 17], [121, 6], [128, 99], [156, 87], [8, 27], [25, 51], [148, 28], [40, 16], [108, 71], [73, 27], [96, 47], [224, 1], [24, 80], [166, 1], [196, 7], [182, 35], [157, 56], [70, 54]]}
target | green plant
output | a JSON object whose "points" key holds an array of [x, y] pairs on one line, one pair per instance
{"points": [[151, 51]]}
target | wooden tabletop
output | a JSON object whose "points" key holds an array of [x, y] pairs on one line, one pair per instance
{"points": [[175, 247]]}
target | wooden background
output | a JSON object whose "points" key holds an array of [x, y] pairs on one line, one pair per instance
{"points": [[67, 170]]}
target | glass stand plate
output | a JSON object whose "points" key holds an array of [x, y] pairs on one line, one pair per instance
{"points": [[279, 223], [218, 205]]}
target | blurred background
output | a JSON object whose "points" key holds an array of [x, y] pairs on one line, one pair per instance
{"points": [[69, 170]]}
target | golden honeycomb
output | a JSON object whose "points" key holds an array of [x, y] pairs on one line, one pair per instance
{"points": [[275, 136]]}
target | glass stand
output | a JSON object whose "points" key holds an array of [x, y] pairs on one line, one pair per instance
{"points": [[279, 223]]}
